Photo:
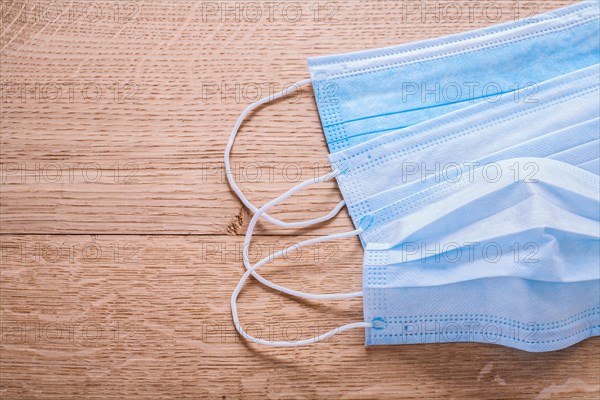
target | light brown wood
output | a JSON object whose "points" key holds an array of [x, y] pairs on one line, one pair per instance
{"points": [[116, 271]]}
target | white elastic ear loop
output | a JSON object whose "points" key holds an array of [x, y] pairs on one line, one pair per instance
{"points": [[235, 187], [291, 292], [250, 271]]}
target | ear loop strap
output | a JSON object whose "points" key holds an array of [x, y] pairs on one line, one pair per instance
{"points": [[283, 289], [254, 209], [231, 179], [252, 269]]}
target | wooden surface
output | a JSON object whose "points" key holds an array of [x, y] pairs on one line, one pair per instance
{"points": [[121, 240]]}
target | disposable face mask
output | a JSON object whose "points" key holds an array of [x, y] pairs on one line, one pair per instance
{"points": [[565, 109], [363, 95], [433, 151], [570, 19], [506, 262]]}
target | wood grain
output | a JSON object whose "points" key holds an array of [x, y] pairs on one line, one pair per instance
{"points": [[78, 322], [121, 241]]}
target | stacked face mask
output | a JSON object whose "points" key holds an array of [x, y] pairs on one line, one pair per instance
{"points": [[562, 123], [366, 94], [469, 165]]}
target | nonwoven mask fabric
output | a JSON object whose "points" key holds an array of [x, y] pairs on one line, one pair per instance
{"points": [[510, 262], [369, 93], [562, 124]]}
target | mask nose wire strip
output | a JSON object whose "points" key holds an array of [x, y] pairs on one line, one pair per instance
{"points": [[231, 179], [291, 292], [251, 270]]}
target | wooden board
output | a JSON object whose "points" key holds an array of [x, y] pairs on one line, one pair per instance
{"points": [[121, 241]]}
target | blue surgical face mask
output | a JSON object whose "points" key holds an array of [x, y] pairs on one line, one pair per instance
{"points": [[511, 262], [391, 208], [366, 94], [392, 166]]}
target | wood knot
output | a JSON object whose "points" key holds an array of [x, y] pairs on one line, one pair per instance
{"points": [[237, 223]]}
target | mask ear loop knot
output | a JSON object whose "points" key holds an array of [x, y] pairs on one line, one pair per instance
{"points": [[253, 268]]}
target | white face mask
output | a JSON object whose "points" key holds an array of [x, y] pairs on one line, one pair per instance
{"points": [[387, 203]]}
